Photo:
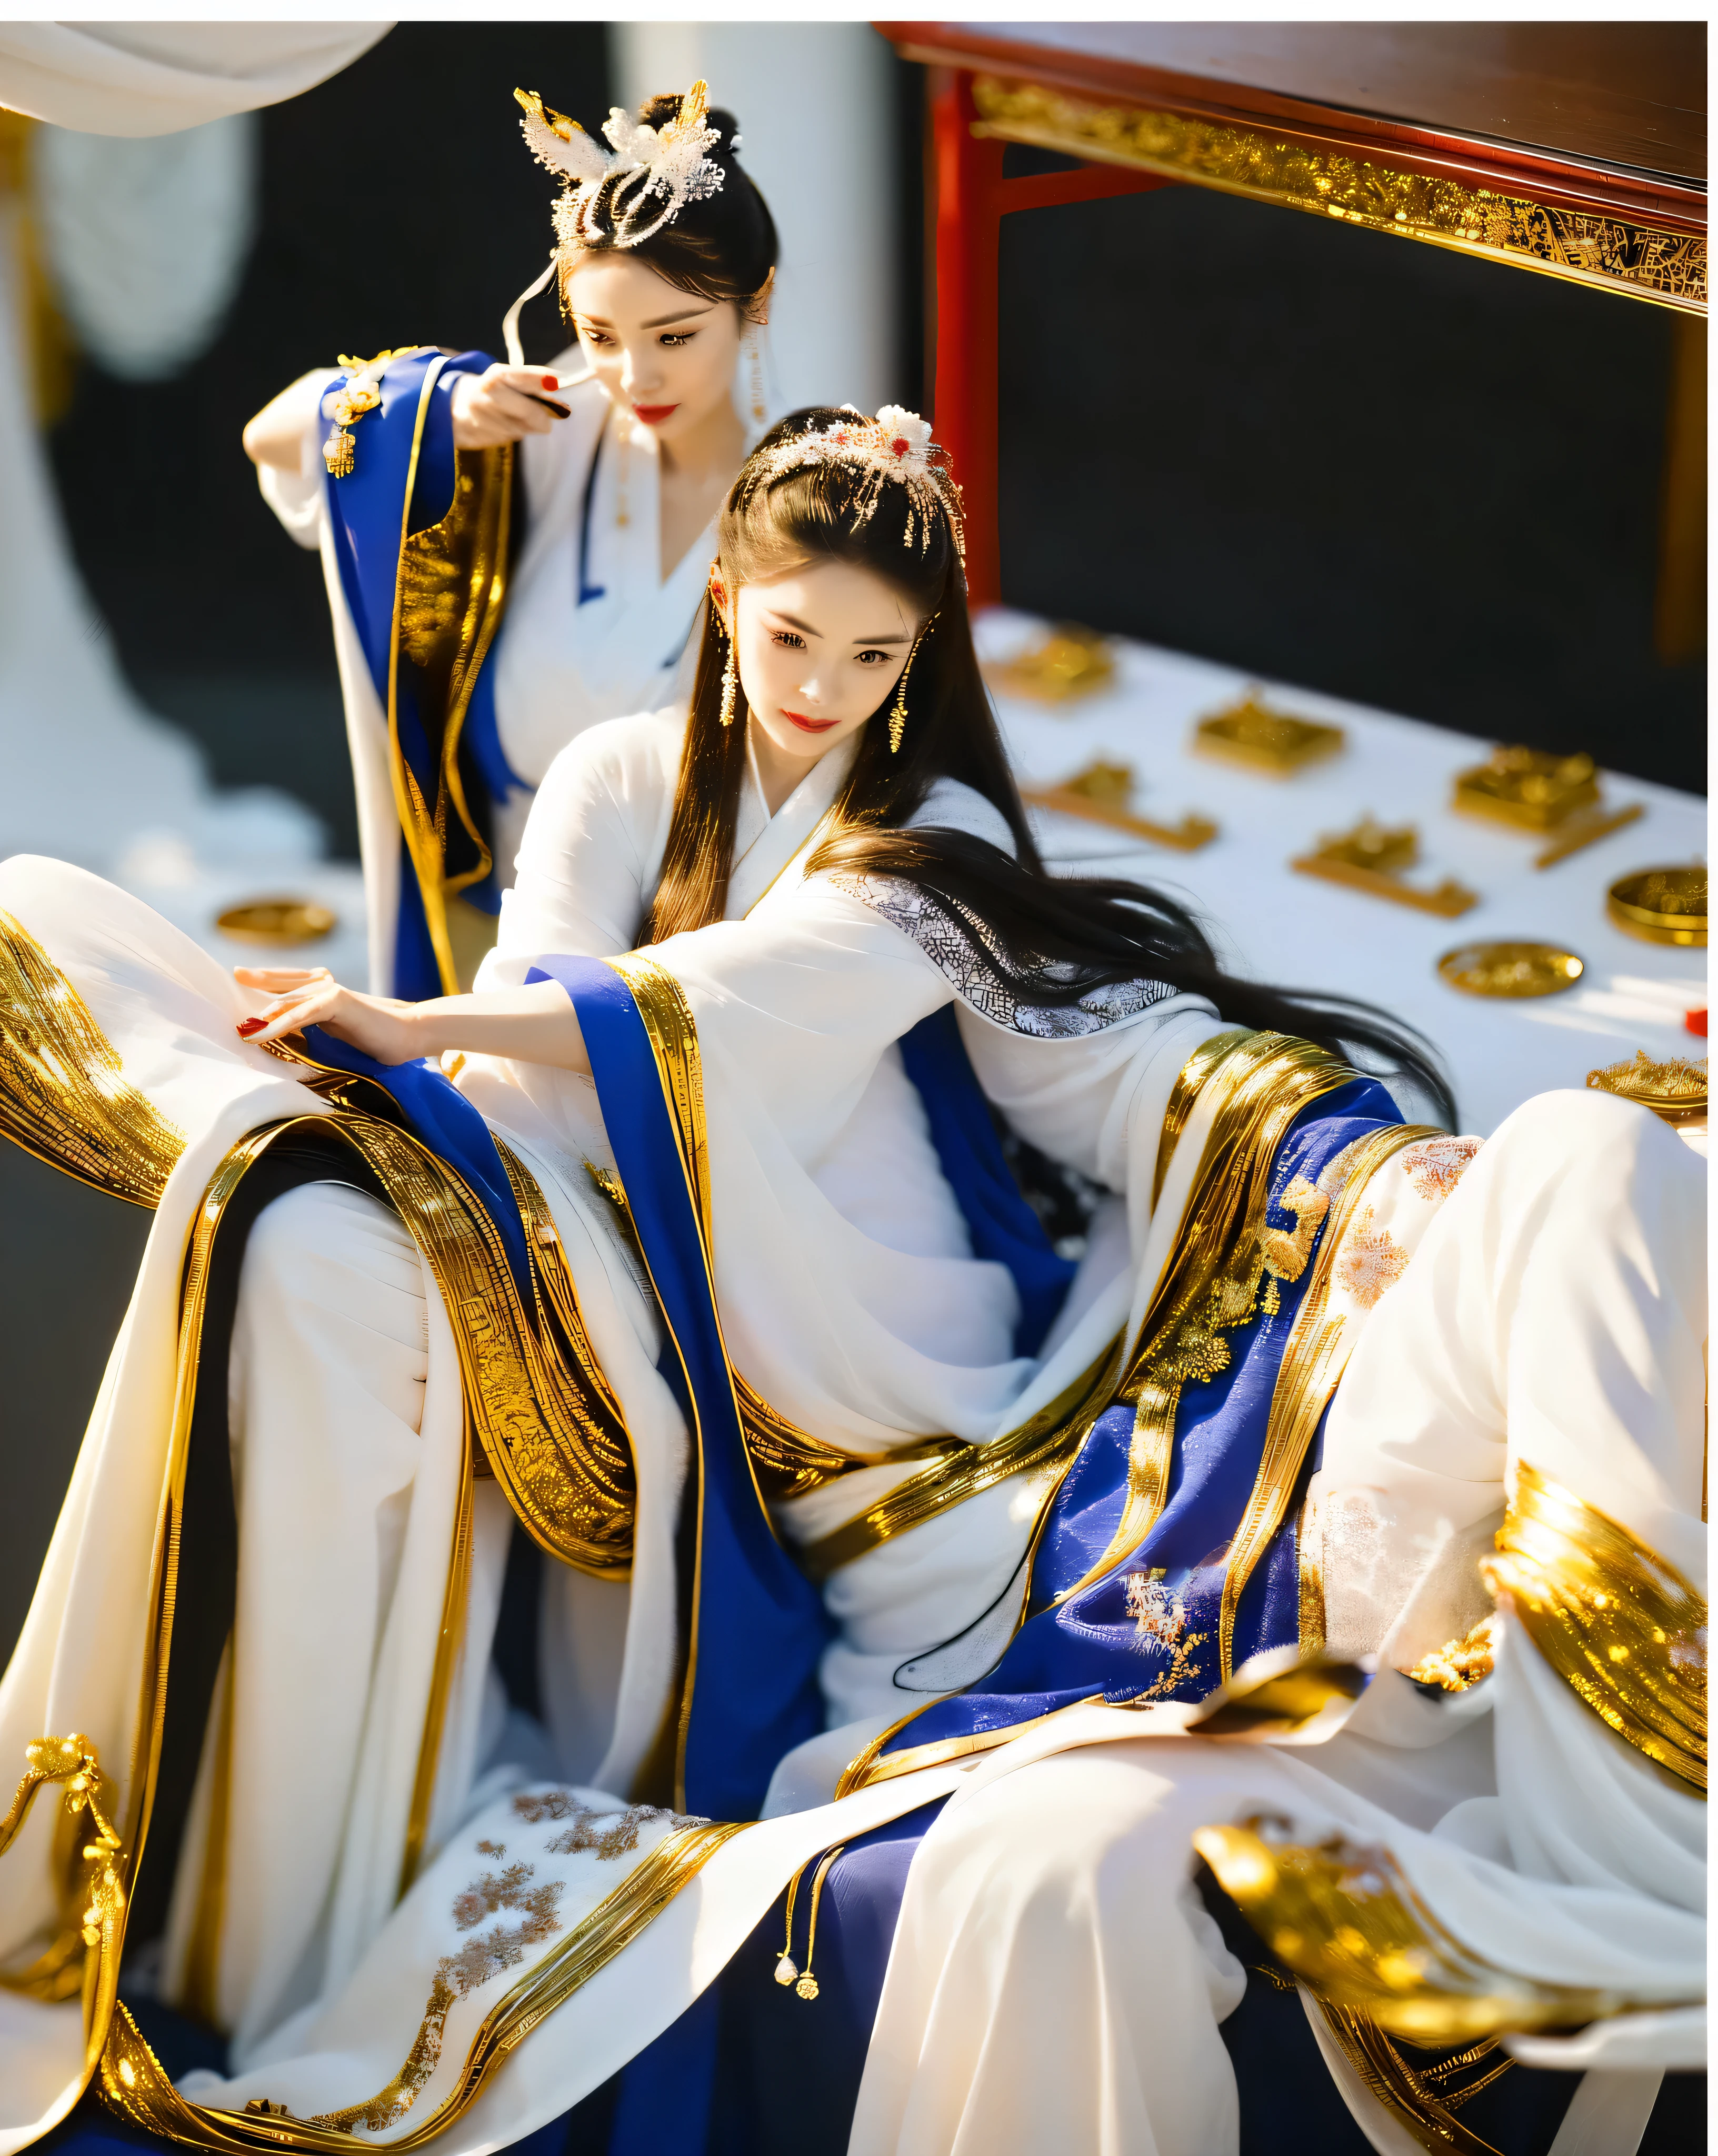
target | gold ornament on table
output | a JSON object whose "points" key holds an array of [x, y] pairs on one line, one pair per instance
{"points": [[1372, 858], [1276, 743], [1101, 794], [280, 922], [1675, 1089], [1556, 797], [1511, 970], [1661, 905], [1069, 663]]}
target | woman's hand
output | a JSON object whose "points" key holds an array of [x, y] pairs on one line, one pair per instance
{"points": [[502, 404], [379, 1025]]}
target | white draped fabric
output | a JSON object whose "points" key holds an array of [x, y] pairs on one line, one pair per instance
{"points": [[850, 1298], [154, 77]]}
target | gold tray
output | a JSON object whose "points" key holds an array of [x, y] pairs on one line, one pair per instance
{"points": [[280, 922], [1526, 788], [1509, 969], [1259, 739], [1661, 905]]}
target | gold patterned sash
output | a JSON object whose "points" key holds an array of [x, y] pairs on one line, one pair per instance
{"points": [[1618, 1623]]}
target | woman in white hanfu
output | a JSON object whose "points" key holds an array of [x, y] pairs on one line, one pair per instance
{"points": [[699, 1257], [665, 256]]}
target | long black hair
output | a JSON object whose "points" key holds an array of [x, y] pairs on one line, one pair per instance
{"points": [[1048, 938], [720, 247]]}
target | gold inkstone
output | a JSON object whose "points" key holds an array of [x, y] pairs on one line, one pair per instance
{"points": [[1513, 970], [1526, 788], [278, 920], [1675, 1089], [1661, 905], [1259, 739], [1071, 663]]}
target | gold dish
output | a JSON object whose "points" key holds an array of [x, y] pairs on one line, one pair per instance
{"points": [[1661, 905], [1510, 969], [1371, 858], [1071, 662], [1526, 788], [1101, 794], [1259, 739], [1675, 1089], [281, 921]]}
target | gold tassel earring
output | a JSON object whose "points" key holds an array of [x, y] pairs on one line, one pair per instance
{"points": [[730, 684], [898, 710], [731, 675], [760, 410]]}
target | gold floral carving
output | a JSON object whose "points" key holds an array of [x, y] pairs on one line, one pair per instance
{"points": [[1610, 251]]}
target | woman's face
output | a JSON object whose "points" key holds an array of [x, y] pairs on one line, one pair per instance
{"points": [[819, 649], [663, 355]]}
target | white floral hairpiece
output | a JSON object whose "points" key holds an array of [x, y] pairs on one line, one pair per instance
{"points": [[895, 445], [669, 164]]}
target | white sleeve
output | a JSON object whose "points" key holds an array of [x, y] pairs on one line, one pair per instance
{"points": [[591, 856], [297, 498]]}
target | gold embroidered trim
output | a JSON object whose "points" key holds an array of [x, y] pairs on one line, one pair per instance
{"points": [[134, 2084], [1646, 261], [64, 1094], [449, 590], [1312, 1364], [1345, 1918], [1425, 2102], [450, 1639], [1211, 1285], [1310, 1566], [91, 1859], [1616, 1622], [1458, 1664]]}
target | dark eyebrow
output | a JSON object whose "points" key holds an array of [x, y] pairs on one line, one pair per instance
{"points": [[661, 323], [805, 629]]}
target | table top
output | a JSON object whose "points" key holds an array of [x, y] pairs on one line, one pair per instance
{"points": [[1276, 925], [1632, 95]]}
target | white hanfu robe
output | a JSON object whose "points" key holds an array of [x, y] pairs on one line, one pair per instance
{"points": [[592, 629], [849, 1297]]}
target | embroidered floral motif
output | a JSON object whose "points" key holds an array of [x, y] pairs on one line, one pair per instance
{"points": [[606, 1835], [979, 981], [1372, 1260], [477, 1961], [1435, 1166], [1160, 1620], [492, 1848]]}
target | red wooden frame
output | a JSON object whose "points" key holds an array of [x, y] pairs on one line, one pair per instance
{"points": [[972, 198]]}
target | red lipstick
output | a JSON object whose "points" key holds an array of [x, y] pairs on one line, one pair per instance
{"points": [[810, 726], [653, 415]]}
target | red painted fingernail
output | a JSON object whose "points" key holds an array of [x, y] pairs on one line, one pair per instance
{"points": [[247, 1026], [551, 381], [1696, 1022]]}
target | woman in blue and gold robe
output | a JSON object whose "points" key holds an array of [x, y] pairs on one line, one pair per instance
{"points": [[687, 1247]]}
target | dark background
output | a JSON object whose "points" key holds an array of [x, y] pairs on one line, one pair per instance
{"points": [[1428, 483]]}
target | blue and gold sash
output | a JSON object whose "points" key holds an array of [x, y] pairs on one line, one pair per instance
{"points": [[421, 534]]}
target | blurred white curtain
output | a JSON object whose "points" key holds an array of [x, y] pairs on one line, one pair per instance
{"points": [[816, 134], [145, 238]]}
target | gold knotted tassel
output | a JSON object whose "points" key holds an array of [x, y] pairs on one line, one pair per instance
{"points": [[729, 685], [787, 1971], [337, 453]]}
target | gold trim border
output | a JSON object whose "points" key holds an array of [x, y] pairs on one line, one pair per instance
{"points": [[1607, 253]]}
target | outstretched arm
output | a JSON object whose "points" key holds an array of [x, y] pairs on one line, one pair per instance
{"points": [[534, 1024]]}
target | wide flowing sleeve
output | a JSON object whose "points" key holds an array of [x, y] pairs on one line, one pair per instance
{"points": [[592, 853], [298, 498]]}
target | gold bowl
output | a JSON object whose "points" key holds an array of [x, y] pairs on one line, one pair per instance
{"points": [[1512, 970], [1661, 905], [280, 922]]}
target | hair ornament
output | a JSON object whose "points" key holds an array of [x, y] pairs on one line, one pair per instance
{"points": [[670, 165], [895, 446]]}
